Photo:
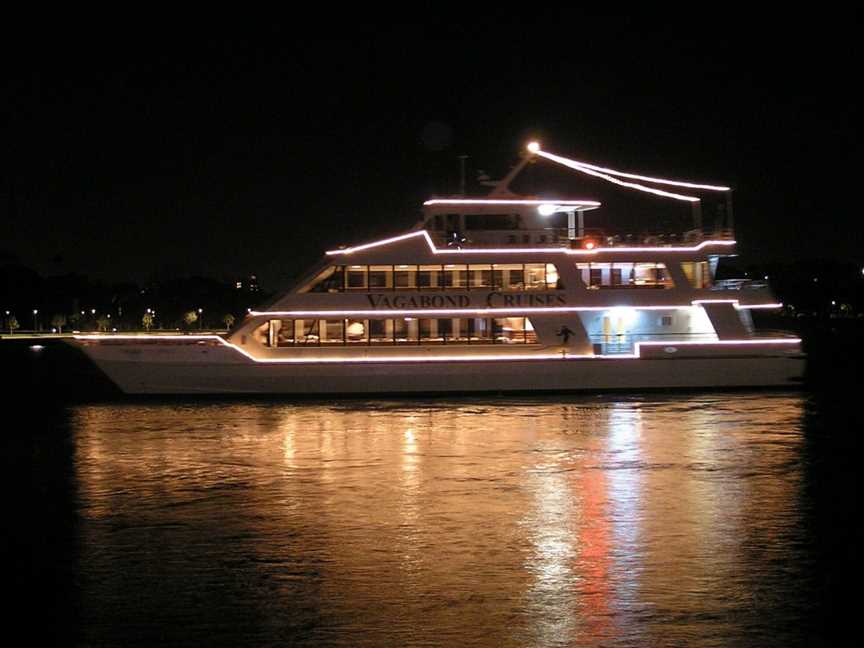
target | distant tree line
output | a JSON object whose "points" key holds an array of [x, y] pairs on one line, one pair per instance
{"points": [[69, 302]]}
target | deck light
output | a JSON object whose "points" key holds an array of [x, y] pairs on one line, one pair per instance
{"points": [[533, 146]]}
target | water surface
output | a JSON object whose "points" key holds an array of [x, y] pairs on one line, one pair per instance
{"points": [[548, 521]]}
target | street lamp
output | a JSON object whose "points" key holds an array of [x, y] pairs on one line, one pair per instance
{"points": [[35, 320], [200, 318]]}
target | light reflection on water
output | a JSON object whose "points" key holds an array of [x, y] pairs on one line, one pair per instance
{"points": [[567, 521]]}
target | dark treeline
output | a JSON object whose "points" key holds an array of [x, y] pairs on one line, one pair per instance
{"points": [[75, 302]]}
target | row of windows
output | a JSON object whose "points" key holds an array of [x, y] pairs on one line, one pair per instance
{"points": [[501, 276], [473, 330], [625, 275], [497, 276]]}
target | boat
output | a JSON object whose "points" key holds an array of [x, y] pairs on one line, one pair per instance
{"points": [[489, 294]]}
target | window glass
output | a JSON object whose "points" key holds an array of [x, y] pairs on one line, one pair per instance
{"points": [[306, 331], [429, 277], [285, 333], [626, 274], [429, 333], [697, 273], [380, 277], [332, 331], [357, 331], [356, 278], [405, 330], [535, 276], [480, 275], [509, 330], [508, 276], [455, 276], [405, 277], [380, 331], [530, 334], [553, 280], [478, 329]]}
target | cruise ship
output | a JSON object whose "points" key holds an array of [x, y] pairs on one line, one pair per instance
{"points": [[500, 293]]}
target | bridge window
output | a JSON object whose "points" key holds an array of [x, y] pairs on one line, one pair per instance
{"points": [[625, 275]]}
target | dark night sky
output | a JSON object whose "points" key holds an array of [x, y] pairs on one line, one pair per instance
{"points": [[223, 152]]}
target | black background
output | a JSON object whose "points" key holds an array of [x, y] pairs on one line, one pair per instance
{"points": [[140, 146]]}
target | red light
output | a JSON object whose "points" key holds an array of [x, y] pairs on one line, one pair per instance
{"points": [[589, 245]]}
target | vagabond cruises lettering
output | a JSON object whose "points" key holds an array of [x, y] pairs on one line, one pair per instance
{"points": [[490, 300]]}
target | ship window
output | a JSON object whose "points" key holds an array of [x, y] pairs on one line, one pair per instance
{"points": [[281, 333], [535, 276], [429, 277], [697, 273], [553, 279], [405, 330], [455, 276], [508, 276], [405, 277], [479, 329], [508, 330], [666, 320], [480, 275], [306, 331], [652, 275], [624, 275], [380, 277], [439, 222], [380, 331], [357, 277], [429, 332], [332, 331], [356, 331], [330, 279]]}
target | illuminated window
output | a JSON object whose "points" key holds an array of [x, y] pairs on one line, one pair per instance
{"points": [[357, 331], [357, 278], [480, 275], [306, 331], [508, 276], [405, 277], [535, 276], [456, 276], [380, 277], [429, 277], [697, 273], [332, 331]]}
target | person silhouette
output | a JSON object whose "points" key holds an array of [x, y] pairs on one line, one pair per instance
{"points": [[565, 334]]}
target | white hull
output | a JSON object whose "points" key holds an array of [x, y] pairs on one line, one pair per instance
{"points": [[223, 371]]}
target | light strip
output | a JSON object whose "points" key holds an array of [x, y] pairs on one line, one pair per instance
{"points": [[696, 303], [632, 185], [459, 358], [634, 176], [489, 311], [560, 250], [464, 311], [489, 201]]}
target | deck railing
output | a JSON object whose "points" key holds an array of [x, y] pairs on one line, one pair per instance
{"points": [[558, 237]]}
